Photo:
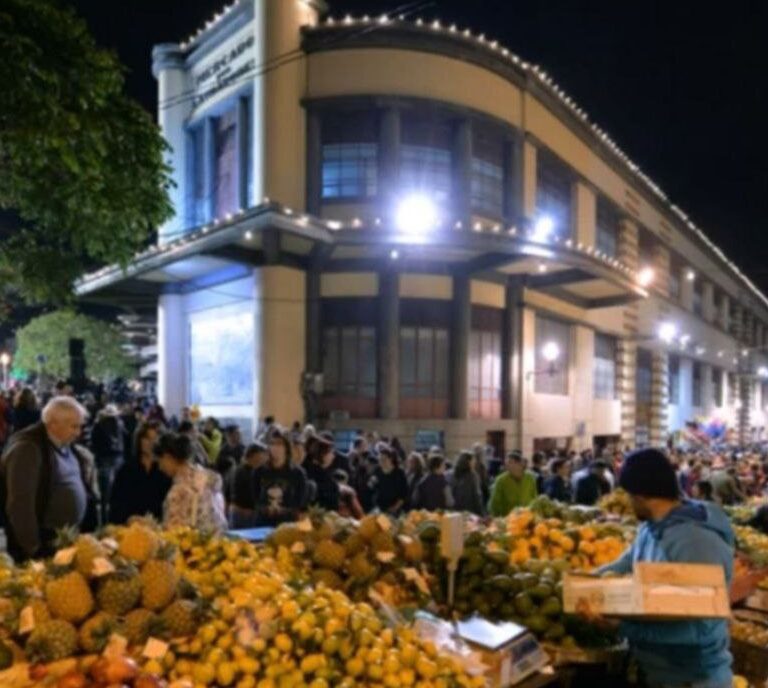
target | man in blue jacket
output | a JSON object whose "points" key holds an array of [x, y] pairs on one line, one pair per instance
{"points": [[674, 654]]}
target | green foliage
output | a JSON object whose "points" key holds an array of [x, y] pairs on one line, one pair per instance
{"points": [[49, 335], [82, 164]]}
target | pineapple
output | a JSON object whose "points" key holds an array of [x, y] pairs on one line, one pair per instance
{"points": [[39, 611], [413, 550], [360, 569], [329, 555], [51, 641], [329, 578], [68, 595], [181, 618], [140, 624], [138, 542], [354, 544], [369, 527], [119, 592], [87, 550], [383, 542], [159, 579], [95, 633], [286, 535]]}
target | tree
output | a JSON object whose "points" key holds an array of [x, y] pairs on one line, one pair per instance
{"points": [[83, 175], [49, 335]]}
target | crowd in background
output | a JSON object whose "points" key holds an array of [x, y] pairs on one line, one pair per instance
{"points": [[189, 470]]}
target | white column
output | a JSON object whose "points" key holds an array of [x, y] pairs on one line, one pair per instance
{"points": [[724, 311], [584, 215], [686, 289], [171, 353], [708, 302], [582, 383]]}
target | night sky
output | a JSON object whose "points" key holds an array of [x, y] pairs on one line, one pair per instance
{"points": [[680, 86]]}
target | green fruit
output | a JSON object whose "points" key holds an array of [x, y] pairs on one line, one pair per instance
{"points": [[497, 557], [429, 531], [551, 607], [507, 610], [524, 604], [526, 580], [473, 540], [536, 566], [502, 582], [554, 632], [489, 570], [540, 591], [536, 623], [473, 565]]}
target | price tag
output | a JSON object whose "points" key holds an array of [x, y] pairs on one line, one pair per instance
{"points": [[414, 576], [102, 566], [405, 539], [384, 522], [305, 525], [298, 548], [64, 557], [385, 557], [26, 621], [116, 646], [155, 649], [111, 544]]}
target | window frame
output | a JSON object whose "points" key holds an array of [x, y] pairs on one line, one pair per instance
{"points": [[697, 385], [546, 329], [601, 388], [554, 191], [673, 379], [358, 396], [425, 393], [366, 166]]}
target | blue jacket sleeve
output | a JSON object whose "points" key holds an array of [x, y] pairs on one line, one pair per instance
{"points": [[622, 565]]}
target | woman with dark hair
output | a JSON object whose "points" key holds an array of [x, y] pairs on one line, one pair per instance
{"points": [[239, 487], [320, 470], [415, 470], [467, 493], [389, 483], [196, 498], [26, 411], [140, 487], [279, 487]]}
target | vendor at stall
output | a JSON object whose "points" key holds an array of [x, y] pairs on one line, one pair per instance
{"points": [[675, 653]]}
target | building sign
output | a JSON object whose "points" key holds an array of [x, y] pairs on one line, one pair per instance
{"points": [[231, 64]]}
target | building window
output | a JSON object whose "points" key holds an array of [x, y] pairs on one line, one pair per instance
{"points": [[552, 378], [553, 192], [698, 298], [349, 171], [644, 377], [674, 283], [349, 367], [717, 387], [607, 228], [197, 205], [605, 367], [426, 169], [645, 249], [696, 385], [673, 379], [487, 187], [423, 372], [484, 374], [225, 173]]}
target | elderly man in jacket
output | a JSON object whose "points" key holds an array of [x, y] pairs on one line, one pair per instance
{"points": [[673, 654], [45, 479]]}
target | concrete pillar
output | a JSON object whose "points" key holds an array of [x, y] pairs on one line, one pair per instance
{"points": [[686, 289], [244, 132], [708, 302], [584, 215], [527, 419], [529, 180], [460, 325], [582, 383], [707, 390], [314, 163], [280, 351], [313, 327], [514, 210], [171, 363], [659, 399], [512, 352], [627, 253], [209, 168], [173, 111], [724, 312], [661, 262], [745, 386], [388, 338], [461, 175], [389, 159]]}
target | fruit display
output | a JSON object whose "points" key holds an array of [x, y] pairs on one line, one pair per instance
{"points": [[753, 544], [617, 503], [586, 547], [545, 507], [749, 632]]}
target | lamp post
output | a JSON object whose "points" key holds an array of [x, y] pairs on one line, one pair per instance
{"points": [[5, 359]]}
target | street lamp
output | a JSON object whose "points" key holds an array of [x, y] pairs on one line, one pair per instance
{"points": [[646, 276], [550, 352], [543, 228], [667, 332], [5, 359], [416, 215]]}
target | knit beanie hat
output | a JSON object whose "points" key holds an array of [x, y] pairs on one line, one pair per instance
{"points": [[648, 473]]}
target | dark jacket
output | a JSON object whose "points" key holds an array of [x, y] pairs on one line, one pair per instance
{"points": [[24, 417], [467, 494], [327, 495], [138, 492], [26, 471], [389, 488], [557, 488], [433, 493], [108, 440], [238, 489], [589, 489], [279, 493], [229, 457]]}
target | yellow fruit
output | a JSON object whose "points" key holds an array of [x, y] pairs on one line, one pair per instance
{"points": [[69, 597], [283, 642], [138, 543]]}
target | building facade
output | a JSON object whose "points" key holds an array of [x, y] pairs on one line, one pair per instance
{"points": [[390, 224]]}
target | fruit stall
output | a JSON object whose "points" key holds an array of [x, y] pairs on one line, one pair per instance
{"points": [[328, 601]]}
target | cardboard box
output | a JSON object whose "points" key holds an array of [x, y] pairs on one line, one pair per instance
{"points": [[655, 590]]}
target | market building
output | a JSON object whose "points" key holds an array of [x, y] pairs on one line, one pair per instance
{"points": [[400, 225]]}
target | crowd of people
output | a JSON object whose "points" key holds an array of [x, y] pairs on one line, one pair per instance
{"points": [[72, 465]]}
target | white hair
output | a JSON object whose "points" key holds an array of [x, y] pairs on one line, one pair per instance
{"points": [[62, 405]]}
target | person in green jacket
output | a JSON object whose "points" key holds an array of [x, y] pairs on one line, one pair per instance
{"points": [[211, 439], [513, 488]]}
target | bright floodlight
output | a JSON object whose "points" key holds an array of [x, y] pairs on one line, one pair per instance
{"points": [[5, 358], [416, 214], [667, 332], [690, 275], [550, 351], [762, 371], [646, 276], [543, 228]]}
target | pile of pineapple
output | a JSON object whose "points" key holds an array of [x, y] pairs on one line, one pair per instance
{"points": [[128, 585]]}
